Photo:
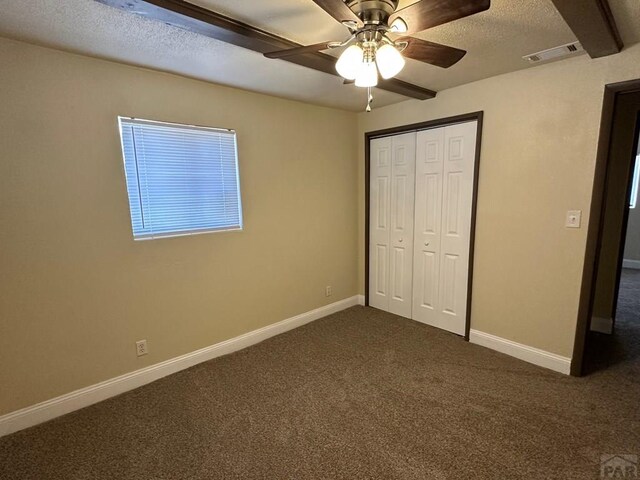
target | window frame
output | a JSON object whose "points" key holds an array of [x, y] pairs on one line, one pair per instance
{"points": [[154, 236]]}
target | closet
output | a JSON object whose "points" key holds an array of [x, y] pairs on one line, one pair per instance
{"points": [[420, 223]]}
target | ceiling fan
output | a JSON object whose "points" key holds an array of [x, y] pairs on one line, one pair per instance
{"points": [[378, 41]]}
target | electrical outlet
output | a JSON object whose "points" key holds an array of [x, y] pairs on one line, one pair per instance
{"points": [[574, 218], [141, 348], [328, 291]]}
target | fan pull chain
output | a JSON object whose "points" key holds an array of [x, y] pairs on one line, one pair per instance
{"points": [[369, 99]]}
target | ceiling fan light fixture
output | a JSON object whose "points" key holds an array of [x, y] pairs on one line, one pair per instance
{"points": [[367, 75], [350, 62], [398, 26], [389, 60]]}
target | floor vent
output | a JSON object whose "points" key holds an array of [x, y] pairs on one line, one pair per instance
{"points": [[556, 52]]}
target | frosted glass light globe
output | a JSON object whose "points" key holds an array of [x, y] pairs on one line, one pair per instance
{"points": [[350, 62], [367, 75], [390, 61]]}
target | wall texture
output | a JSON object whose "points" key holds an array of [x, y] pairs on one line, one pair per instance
{"points": [[537, 161], [76, 291]]}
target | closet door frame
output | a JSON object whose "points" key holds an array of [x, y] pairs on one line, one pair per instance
{"points": [[442, 122]]}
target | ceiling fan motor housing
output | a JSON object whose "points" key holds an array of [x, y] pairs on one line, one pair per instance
{"points": [[373, 12]]}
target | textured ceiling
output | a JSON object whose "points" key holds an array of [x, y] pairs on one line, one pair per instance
{"points": [[495, 40], [627, 15]]}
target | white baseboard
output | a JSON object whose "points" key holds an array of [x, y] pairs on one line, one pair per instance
{"points": [[50, 409], [631, 264], [602, 325], [523, 352]]}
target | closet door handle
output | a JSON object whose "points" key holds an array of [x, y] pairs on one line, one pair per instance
{"points": [[400, 240]]}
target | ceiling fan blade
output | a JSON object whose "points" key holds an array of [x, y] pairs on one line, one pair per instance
{"points": [[338, 10], [432, 53], [298, 50], [431, 13]]}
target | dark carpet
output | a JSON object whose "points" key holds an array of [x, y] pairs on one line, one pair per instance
{"points": [[361, 394], [604, 351]]}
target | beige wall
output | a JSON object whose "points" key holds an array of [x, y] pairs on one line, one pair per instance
{"points": [[537, 161], [76, 291]]}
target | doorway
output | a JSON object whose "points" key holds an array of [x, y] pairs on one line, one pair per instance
{"points": [[421, 191], [609, 315]]}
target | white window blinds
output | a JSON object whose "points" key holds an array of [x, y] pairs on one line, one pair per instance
{"points": [[181, 179]]}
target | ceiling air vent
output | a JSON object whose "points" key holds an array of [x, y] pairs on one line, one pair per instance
{"points": [[556, 52]]}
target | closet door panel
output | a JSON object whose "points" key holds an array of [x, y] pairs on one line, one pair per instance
{"points": [[402, 220], [380, 222], [421, 202], [444, 195], [458, 172], [428, 222]]}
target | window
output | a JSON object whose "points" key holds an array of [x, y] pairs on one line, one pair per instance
{"points": [[181, 179], [634, 186]]}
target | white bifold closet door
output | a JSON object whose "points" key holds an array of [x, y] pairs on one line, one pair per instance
{"points": [[392, 161], [421, 202], [445, 164]]}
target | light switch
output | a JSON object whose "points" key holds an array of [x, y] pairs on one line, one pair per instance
{"points": [[574, 218]]}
